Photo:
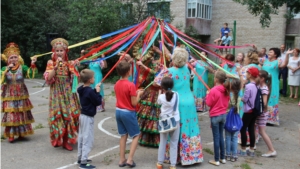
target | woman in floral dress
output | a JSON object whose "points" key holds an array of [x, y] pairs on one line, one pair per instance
{"points": [[64, 107], [16, 105], [272, 66], [190, 146]]}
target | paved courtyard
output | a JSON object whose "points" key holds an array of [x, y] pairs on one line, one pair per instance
{"points": [[36, 152]]}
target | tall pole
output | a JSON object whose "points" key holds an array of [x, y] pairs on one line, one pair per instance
{"points": [[234, 36]]}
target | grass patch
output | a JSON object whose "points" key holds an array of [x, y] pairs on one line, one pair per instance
{"points": [[39, 126], [208, 150], [2, 137], [127, 151], [245, 166], [113, 93], [108, 159]]}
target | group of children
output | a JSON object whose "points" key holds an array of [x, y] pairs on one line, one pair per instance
{"points": [[218, 100]]}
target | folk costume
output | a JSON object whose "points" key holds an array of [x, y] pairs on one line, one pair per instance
{"points": [[64, 106], [16, 105], [147, 110]]}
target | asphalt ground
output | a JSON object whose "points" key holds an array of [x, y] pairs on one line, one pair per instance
{"points": [[35, 151]]}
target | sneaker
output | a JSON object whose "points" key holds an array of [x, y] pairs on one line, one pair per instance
{"points": [[251, 153], [234, 159], [87, 166], [223, 161], [273, 154], [228, 157], [217, 163], [242, 153], [88, 161], [172, 167]]}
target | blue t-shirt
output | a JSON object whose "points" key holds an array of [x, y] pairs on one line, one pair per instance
{"points": [[223, 30], [226, 40]]}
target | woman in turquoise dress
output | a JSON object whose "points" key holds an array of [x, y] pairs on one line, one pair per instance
{"points": [[97, 68], [190, 146], [272, 66], [199, 90]]}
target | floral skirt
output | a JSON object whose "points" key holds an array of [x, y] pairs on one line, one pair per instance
{"points": [[148, 115], [64, 108], [273, 116]]}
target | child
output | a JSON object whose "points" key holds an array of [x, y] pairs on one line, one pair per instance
{"points": [[217, 99], [261, 121], [249, 117], [231, 139], [89, 100], [127, 98], [167, 102]]}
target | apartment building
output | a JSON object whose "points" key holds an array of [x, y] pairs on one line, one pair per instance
{"points": [[208, 16]]}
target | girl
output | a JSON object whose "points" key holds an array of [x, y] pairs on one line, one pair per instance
{"points": [[249, 117], [168, 101], [240, 60], [64, 106], [294, 73], [217, 100], [231, 139], [264, 85]]}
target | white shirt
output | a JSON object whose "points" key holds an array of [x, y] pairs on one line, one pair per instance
{"points": [[282, 57], [167, 107]]}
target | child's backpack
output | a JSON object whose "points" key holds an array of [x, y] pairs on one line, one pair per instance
{"points": [[233, 122], [258, 107]]}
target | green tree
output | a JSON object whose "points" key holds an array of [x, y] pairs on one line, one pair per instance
{"points": [[265, 8]]}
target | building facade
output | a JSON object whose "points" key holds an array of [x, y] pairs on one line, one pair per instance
{"points": [[208, 16]]}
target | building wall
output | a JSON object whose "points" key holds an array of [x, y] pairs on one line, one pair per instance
{"points": [[178, 9], [249, 30]]}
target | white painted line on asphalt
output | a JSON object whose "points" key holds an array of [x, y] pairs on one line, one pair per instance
{"points": [[36, 91], [105, 131], [102, 152]]}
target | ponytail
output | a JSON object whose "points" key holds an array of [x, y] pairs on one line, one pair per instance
{"points": [[235, 86], [167, 84], [169, 95]]}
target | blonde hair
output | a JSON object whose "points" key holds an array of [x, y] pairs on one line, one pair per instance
{"points": [[86, 75], [180, 57], [252, 55]]}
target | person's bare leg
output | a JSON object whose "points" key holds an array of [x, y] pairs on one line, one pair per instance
{"points": [[123, 140], [133, 146], [296, 92], [266, 138], [291, 91]]}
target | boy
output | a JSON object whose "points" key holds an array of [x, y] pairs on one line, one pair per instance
{"points": [[89, 100], [127, 98]]}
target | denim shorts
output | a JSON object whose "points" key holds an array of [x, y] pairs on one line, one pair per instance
{"points": [[127, 122]]}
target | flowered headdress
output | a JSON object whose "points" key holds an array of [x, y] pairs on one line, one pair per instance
{"points": [[11, 51], [59, 42]]}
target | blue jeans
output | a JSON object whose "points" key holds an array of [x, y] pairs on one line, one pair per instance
{"points": [[217, 125], [231, 140]]}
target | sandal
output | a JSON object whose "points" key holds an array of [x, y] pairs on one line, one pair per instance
{"points": [[159, 166], [131, 165], [123, 164]]}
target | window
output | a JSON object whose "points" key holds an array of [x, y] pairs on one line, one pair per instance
{"points": [[199, 9], [160, 9]]}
